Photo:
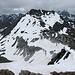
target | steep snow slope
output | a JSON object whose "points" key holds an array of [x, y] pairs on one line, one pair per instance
{"points": [[28, 40]]}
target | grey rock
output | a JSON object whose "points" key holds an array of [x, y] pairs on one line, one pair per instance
{"points": [[24, 49], [33, 74], [6, 72], [26, 72]]}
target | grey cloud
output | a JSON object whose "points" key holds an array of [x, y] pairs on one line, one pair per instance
{"points": [[8, 6]]}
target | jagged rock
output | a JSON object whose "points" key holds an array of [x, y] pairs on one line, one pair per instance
{"points": [[32, 73], [57, 27], [34, 39], [67, 55], [26, 72], [57, 57], [24, 49], [62, 73], [42, 23], [38, 74], [6, 72], [54, 73], [40, 12], [35, 74], [4, 60]]}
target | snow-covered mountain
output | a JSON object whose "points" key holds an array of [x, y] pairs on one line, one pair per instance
{"points": [[66, 14], [6, 20], [40, 37]]}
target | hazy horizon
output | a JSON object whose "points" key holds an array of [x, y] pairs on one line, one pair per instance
{"points": [[22, 6]]}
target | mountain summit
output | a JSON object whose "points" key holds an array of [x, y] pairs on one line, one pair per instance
{"points": [[40, 37]]}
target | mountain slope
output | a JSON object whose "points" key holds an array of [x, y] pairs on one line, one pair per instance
{"points": [[67, 15], [40, 37], [8, 22]]}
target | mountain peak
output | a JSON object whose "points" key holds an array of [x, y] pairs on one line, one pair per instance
{"points": [[38, 33], [40, 12]]}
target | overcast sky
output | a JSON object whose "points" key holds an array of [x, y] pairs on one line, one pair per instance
{"points": [[19, 6]]}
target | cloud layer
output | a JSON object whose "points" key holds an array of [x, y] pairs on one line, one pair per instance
{"points": [[22, 6]]}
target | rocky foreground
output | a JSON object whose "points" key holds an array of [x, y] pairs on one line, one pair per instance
{"points": [[63, 73], [26, 72]]}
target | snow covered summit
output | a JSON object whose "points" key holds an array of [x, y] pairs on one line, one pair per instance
{"points": [[39, 37]]}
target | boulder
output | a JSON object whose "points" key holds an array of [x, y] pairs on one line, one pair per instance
{"points": [[6, 72], [24, 72], [33, 74], [4, 59]]}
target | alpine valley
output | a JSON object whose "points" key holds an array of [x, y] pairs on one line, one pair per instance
{"points": [[40, 41]]}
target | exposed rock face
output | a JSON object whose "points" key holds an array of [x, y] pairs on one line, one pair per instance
{"points": [[4, 60], [23, 72], [39, 13], [26, 72], [6, 72], [58, 56], [63, 73], [24, 49], [56, 34]]}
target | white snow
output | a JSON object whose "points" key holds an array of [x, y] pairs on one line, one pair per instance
{"points": [[51, 19], [63, 31], [16, 67]]}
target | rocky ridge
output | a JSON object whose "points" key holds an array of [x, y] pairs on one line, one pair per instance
{"points": [[23, 72]]}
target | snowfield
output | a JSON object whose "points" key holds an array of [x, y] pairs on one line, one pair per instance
{"points": [[16, 67]]}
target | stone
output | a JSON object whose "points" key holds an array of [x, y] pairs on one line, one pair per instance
{"points": [[6, 72], [33, 74], [26, 72]]}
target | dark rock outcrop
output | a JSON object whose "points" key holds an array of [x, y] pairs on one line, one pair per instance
{"points": [[58, 57], [57, 27], [24, 49], [6, 72], [40, 12], [4, 60], [26, 72], [62, 73]]}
